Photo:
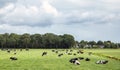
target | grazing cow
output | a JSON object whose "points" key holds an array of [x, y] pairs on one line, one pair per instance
{"points": [[53, 50], [80, 58], [74, 61], [87, 59], [69, 53], [102, 62], [56, 51], [81, 52], [8, 51], [78, 52], [74, 54], [60, 55], [13, 58], [44, 53]]}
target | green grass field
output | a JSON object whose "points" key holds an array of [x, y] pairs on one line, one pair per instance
{"points": [[32, 60]]}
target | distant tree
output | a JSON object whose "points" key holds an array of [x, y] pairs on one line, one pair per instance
{"points": [[92, 43], [83, 43], [68, 41], [107, 44], [49, 40], [6, 37], [25, 40], [2, 41], [100, 42], [36, 40]]}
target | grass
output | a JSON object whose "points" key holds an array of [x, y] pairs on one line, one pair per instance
{"points": [[32, 60]]}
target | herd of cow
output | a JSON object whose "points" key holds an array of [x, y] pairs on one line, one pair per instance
{"points": [[75, 61]]}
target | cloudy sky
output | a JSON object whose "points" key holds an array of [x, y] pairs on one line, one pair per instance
{"points": [[84, 19]]}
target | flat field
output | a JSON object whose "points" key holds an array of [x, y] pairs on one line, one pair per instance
{"points": [[32, 60]]}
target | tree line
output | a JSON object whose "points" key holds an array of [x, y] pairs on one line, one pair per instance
{"points": [[49, 40], [98, 44]]}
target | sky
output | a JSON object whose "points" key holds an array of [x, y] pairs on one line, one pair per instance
{"points": [[84, 19]]}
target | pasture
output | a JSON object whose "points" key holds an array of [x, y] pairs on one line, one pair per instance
{"points": [[33, 60]]}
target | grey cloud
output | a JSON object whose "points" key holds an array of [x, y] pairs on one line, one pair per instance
{"points": [[4, 2]]}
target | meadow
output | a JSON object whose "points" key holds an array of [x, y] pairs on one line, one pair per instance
{"points": [[32, 60]]}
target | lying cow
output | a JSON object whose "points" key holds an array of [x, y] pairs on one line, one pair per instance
{"points": [[53, 50], [102, 62], [8, 51], [69, 53], [80, 58], [13, 58], [87, 59], [60, 55], [74, 61]]}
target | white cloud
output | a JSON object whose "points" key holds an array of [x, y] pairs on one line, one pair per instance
{"points": [[6, 9], [49, 8]]}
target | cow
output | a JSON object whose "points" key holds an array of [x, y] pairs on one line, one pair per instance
{"points": [[44, 53], [13, 58], [69, 53], [60, 55], [15, 53], [77, 62], [102, 62], [80, 58], [74, 61], [87, 59], [56, 51], [71, 50], [8, 51], [80, 51], [53, 50], [74, 54]]}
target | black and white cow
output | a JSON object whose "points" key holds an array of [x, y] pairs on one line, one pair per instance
{"points": [[13, 58], [102, 62], [74, 61]]}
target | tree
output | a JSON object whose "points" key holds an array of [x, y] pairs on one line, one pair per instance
{"points": [[2, 41], [25, 40], [36, 40], [100, 42], [6, 37], [68, 41], [83, 43], [92, 43], [13, 40]]}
